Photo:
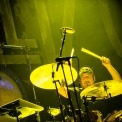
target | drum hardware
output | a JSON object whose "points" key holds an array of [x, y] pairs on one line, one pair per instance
{"points": [[87, 116], [86, 108], [19, 109]]}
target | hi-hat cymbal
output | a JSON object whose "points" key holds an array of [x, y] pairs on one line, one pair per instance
{"points": [[54, 111], [42, 76], [103, 90]]}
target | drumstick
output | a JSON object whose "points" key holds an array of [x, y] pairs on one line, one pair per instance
{"points": [[90, 53], [71, 55], [72, 52]]}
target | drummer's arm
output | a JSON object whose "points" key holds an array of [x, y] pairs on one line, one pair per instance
{"points": [[106, 62]]}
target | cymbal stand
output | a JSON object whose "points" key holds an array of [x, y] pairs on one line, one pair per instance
{"points": [[106, 90], [52, 117], [86, 108], [69, 97], [26, 49]]}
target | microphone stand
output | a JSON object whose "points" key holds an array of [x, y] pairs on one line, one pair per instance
{"points": [[61, 63], [59, 99], [75, 92], [63, 39], [106, 90], [69, 97]]}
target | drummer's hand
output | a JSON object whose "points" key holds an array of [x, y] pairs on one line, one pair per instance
{"points": [[105, 61]]}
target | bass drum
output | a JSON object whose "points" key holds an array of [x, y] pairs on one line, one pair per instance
{"points": [[95, 116], [11, 88]]}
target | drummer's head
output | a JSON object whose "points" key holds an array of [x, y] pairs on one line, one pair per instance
{"points": [[87, 77]]}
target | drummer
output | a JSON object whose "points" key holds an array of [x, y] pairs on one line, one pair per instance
{"points": [[87, 77]]}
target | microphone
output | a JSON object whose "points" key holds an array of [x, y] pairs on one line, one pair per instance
{"points": [[64, 58], [68, 30]]}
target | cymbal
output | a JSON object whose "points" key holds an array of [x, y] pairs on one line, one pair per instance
{"points": [[112, 116], [42, 76], [54, 111], [103, 90]]}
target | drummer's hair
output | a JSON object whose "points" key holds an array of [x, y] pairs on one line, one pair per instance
{"points": [[86, 70]]}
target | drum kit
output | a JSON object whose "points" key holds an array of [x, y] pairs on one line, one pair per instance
{"points": [[42, 77], [59, 76]]}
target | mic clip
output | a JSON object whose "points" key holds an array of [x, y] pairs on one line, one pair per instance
{"points": [[59, 59]]}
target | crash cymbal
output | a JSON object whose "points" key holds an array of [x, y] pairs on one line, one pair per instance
{"points": [[42, 76], [54, 111], [103, 90]]}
